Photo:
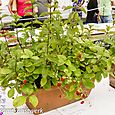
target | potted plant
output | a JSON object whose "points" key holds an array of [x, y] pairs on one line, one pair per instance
{"points": [[59, 55]]}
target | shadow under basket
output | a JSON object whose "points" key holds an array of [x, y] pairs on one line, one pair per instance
{"points": [[111, 78], [51, 99]]}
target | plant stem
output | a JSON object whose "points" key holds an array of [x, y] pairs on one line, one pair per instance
{"points": [[49, 37], [32, 24], [18, 38]]}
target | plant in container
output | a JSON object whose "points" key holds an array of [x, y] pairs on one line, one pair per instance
{"points": [[60, 62]]}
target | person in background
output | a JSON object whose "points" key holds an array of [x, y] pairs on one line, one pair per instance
{"points": [[105, 10], [42, 6], [92, 12], [0, 2], [21, 5], [76, 7]]}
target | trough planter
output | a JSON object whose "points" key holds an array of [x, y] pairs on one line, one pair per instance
{"points": [[52, 98], [112, 78]]}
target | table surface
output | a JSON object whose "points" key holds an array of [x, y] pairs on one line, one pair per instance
{"points": [[101, 101]]}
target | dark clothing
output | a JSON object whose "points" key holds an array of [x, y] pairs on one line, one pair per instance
{"points": [[42, 6], [92, 15]]}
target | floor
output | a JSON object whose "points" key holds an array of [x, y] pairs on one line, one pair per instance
{"points": [[101, 101]]}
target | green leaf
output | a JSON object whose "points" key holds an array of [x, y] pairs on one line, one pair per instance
{"points": [[18, 89], [78, 97], [56, 12], [28, 52], [35, 76], [43, 81], [113, 60], [69, 95], [93, 61], [47, 85], [77, 72], [95, 68], [83, 9], [35, 57], [88, 69], [27, 63], [38, 70], [68, 62], [72, 67], [11, 92], [104, 73], [19, 65], [33, 100], [94, 49], [5, 71], [39, 62], [12, 63], [54, 81], [51, 73], [62, 67], [30, 69], [89, 75], [28, 89], [98, 76], [68, 7], [1, 78], [112, 50], [72, 88], [68, 72], [61, 59], [19, 101], [52, 58], [24, 56], [109, 65], [88, 83], [45, 72]]}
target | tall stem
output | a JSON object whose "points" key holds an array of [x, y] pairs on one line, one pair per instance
{"points": [[18, 38], [49, 37], [32, 24]]}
